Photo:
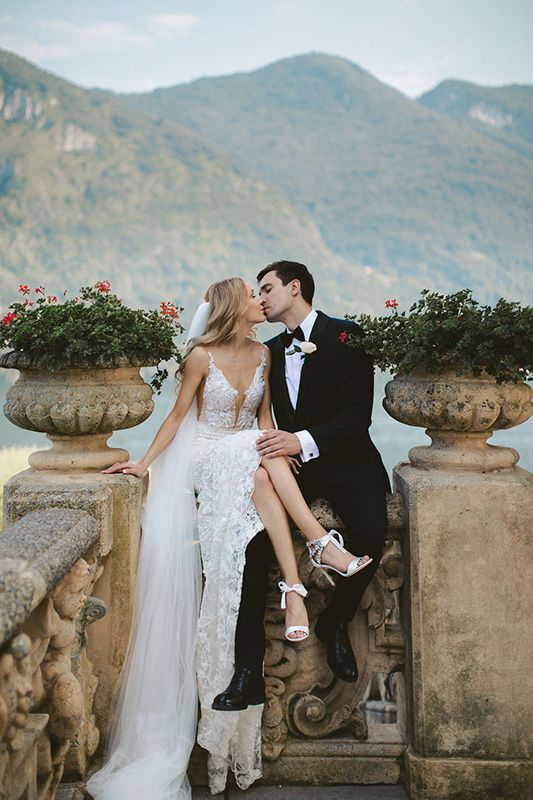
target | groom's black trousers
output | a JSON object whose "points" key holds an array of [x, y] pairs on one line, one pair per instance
{"points": [[361, 505]]}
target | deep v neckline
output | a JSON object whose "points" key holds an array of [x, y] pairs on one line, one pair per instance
{"points": [[212, 363]]}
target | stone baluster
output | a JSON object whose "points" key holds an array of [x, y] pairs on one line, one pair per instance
{"points": [[48, 564]]}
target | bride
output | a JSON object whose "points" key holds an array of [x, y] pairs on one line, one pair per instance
{"points": [[181, 650]]}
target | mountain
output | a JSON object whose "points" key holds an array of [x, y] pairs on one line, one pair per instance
{"points": [[504, 113], [90, 188], [310, 159], [389, 182]]}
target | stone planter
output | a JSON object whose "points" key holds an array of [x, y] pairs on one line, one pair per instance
{"points": [[459, 413], [78, 409]]}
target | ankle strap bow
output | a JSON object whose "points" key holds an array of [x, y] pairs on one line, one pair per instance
{"points": [[299, 588]]}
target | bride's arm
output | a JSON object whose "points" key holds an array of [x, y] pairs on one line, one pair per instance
{"points": [[194, 372]]}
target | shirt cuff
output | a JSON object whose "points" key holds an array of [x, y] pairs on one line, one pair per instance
{"points": [[309, 446]]}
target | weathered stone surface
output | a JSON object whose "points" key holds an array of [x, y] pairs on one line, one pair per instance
{"points": [[469, 779], [78, 408], [72, 791], [50, 540], [448, 401], [332, 761], [89, 452], [115, 502], [35, 552], [19, 588], [79, 401], [469, 616], [42, 703], [312, 793], [32, 489], [459, 414]]}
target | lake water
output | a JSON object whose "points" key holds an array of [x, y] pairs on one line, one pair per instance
{"points": [[392, 438]]}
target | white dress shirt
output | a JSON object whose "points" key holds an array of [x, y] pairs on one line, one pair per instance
{"points": [[293, 371]]}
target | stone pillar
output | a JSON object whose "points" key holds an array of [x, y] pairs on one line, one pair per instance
{"points": [[468, 593]]}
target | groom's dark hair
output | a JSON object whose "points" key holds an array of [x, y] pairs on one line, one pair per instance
{"points": [[290, 270]]}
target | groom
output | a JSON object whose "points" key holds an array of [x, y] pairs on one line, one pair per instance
{"points": [[322, 404]]}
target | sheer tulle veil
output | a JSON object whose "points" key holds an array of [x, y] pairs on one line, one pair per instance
{"points": [[154, 716]]}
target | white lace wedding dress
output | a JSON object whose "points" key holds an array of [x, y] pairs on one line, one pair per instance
{"points": [[224, 463], [155, 710]]}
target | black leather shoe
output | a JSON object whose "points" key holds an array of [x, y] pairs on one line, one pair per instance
{"points": [[340, 657], [246, 688]]}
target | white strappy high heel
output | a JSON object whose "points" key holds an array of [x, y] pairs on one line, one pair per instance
{"points": [[300, 589], [316, 548]]}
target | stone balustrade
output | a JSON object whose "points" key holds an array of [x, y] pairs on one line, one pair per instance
{"points": [[460, 527], [49, 562]]}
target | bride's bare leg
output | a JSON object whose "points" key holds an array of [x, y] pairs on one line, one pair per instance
{"points": [[290, 495], [274, 518]]}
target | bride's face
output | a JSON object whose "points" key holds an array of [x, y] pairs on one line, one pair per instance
{"points": [[254, 312]]}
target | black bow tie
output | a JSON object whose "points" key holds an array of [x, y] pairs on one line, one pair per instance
{"points": [[287, 336]]}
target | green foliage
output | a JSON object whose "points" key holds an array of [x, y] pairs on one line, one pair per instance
{"points": [[160, 207], [310, 158], [504, 113], [94, 329], [451, 331], [389, 182]]}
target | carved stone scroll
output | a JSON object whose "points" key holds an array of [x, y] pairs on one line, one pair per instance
{"points": [[304, 699]]}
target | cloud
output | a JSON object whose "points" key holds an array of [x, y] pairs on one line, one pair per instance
{"points": [[168, 26], [33, 50], [62, 38], [97, 35]]}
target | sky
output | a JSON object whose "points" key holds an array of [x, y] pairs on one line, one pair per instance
{"points": [[137, 45]]}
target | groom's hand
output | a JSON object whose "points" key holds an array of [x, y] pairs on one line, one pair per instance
{"points": [[278, 443]]}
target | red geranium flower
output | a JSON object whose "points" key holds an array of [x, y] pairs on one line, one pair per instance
{"points": [[103, 286], [52, 298], [391, 303], [24, 288], [9, 317], [168, 309]]}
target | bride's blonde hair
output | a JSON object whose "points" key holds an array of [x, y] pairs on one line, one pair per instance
{"points": [[228, 300]]}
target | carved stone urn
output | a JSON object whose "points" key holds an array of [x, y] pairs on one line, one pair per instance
{"points": [[78, 409], [459, 412]]}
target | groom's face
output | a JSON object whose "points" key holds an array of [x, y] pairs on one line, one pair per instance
{"points": [[276, 299]]}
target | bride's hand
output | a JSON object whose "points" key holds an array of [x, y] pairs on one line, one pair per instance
{"points": [[294, 464], [127, 467]]}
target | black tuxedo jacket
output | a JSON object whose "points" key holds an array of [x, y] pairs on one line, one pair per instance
{"points": [[334, 402]]}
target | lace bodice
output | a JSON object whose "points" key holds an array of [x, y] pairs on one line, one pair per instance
{"points": [[220, 399]]}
